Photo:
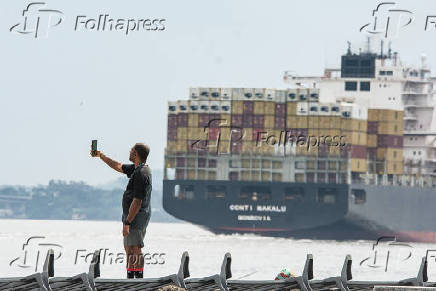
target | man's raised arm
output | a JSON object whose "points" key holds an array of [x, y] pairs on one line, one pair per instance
{"points": [[111, 163]]}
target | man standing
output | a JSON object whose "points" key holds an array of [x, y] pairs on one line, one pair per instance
{"points": [[136, 205]]}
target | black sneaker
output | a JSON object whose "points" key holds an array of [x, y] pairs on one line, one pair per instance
{"points": [[139, 274]]}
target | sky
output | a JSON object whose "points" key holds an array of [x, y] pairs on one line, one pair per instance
{"points": [[65, 87]]}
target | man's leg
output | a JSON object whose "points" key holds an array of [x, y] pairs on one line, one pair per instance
{"points": [[139, 261], [129, 262]]}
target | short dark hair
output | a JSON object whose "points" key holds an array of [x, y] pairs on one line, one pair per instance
{"points": [[142, 150]]}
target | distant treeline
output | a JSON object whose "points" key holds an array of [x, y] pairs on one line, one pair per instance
{"points": [[69, 200]]}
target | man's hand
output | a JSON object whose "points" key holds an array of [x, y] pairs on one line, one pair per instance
{"points": [[96, 155], [126, 229]]}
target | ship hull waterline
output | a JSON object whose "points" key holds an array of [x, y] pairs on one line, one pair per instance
{"points": [[401, 212]]}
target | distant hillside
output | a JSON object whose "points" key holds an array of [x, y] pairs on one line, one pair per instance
{"points": [[75, 200]]}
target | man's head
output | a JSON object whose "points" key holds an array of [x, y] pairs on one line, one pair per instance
{"points": [[139, 151]]}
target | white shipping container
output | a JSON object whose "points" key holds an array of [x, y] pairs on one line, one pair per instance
{"points": [[215, 107], [346, 111], [302, 108], [259, 94], [313, 94], [204, 107], [238, 94], [280, 96], [335, 110], [248, 94], [303, 95], [194, 106], [204, 94], [172, 107], [270, 94], [359, 112], [291, 95], [226, 93], [226, 107], [215, 94], [194, 93], [182, 106], [324, 109], [313, 108]]}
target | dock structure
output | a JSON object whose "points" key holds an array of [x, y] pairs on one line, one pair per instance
{"points": [[91, 281]]}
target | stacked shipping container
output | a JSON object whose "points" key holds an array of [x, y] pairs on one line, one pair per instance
{"points": [[385, 138], [248, 121]]}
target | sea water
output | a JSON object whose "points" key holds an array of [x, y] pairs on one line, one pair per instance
{"points": [[24, 243]]}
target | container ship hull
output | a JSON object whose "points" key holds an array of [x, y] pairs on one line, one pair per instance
{"points": [[305, 210]]}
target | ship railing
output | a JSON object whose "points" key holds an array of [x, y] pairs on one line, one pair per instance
{"points": [[220, 281]]}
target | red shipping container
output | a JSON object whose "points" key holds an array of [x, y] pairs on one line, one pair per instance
{"points": [[236, 148], [258, 120], [291, 131], [247, 120], [182, 119], [203, 119], [197, 146], [192, 146], [180, 162], [344, 150], [248, 107], [280, 110], [172, 134], [302, 132], [215, 120], [279, 122], [389, 141], [258, 135], [372, 127], [213, 133], [237, 120], [172, 121], [358, 152], [372, 153], [323, 150]]}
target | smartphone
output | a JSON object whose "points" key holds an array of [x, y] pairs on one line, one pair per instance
{"points": [[94, 147]]}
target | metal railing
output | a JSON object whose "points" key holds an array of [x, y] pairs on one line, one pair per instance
{"points": [[220, 281]]}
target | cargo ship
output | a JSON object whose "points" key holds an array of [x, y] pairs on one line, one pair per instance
{"points": [[350, 154]]}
